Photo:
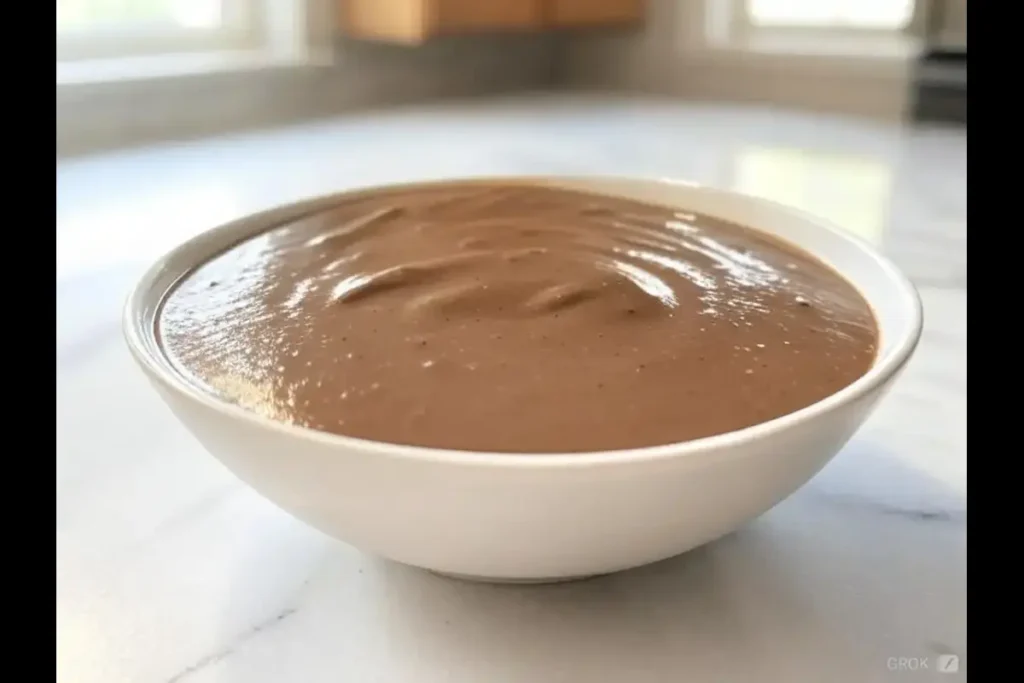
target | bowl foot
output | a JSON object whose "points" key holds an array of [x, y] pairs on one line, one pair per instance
{"points": [[512, 581]]}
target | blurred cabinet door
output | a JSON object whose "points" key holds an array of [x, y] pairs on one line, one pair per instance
{"points": [[451, 16], [414, 21], [403, 21], [569, 13]]}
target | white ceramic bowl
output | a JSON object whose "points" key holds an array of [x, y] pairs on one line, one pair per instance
{"points": [[504, 517]]}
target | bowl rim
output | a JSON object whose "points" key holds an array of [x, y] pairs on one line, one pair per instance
{"points": [[140, 298]]}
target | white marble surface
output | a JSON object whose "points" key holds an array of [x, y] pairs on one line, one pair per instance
{"points": [[168, 569]]}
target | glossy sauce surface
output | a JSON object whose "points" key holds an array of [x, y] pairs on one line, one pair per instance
{"points": [[516, 318]]}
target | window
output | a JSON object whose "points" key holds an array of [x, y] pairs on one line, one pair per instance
{"points": [[891, 15], [104, 29], [868, 28]]}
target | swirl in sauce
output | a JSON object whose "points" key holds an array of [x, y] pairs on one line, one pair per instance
{"points": [[516, 318]]}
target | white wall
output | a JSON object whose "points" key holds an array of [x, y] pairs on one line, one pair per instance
{"points": [[953, 28]]}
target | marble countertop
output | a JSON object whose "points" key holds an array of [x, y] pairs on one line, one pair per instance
{"points": [[170, 570]]}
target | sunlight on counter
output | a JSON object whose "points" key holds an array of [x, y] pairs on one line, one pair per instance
{"points": [[852, 192], [140, 229]]}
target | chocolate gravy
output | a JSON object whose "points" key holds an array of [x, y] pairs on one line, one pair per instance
{"points": [[516, 318]]}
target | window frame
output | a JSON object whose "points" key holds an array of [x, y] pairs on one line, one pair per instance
{"points": [[741, 28], [243, 28]]}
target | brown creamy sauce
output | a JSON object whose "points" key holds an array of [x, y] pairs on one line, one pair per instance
{"points": [[516, 318]]}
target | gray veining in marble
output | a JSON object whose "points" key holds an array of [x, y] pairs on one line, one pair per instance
{"points": [[170, 570]]}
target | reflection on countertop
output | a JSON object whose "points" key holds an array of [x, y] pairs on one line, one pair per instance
{"points": [[171, 570], [850, 190]]}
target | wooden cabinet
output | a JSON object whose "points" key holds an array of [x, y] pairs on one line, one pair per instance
{"points": [[413, 21], [391, 20], [467, 15], [570, 13]]}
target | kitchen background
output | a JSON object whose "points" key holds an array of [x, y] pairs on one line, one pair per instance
{"points": [[176, 115], [134, 71]]}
